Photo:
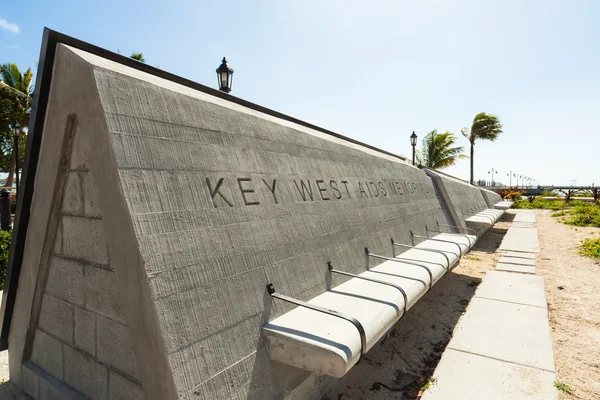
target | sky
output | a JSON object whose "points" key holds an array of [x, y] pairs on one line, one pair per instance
{"points": [[373, 70]]}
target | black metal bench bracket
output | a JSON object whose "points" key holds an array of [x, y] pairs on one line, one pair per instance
{"points": [[333, 313], [405, 261], [331, 269]]}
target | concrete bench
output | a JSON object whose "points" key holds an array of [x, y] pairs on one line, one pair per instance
{"points": [[330, 345], [483, 220], [503, 205]]}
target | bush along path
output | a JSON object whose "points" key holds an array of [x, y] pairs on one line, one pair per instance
{"points": [[574, 213], [5, 239]]}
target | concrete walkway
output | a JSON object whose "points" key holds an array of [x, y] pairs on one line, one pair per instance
{"points": [[502, 348]]}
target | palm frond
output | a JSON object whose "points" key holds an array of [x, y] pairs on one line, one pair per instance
{"points": [[438, 152], [485, 127], [138, 56]]}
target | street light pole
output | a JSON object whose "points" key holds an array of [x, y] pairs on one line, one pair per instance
{"points": [[492, 172], [16, 134], [413, 142]]}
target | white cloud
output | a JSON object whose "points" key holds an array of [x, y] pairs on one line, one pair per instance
{"points": [[14, 28]]}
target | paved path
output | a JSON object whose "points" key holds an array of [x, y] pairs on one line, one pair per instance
{"points": [[521, 239], [502, 348]]}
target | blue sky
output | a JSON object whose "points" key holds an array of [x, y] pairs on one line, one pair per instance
{"points": [[374, 71]]}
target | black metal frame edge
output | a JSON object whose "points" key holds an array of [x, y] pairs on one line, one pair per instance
{"points": [[36, 126]]}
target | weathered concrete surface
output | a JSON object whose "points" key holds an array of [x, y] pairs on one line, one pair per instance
{"points": [[10, 391], [516, 260], [521, 239], [468, 376], [524, 269], [530, 256], [513, 288]]}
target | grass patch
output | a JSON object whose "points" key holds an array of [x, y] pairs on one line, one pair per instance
{"points": [[547, 204], [590, 248], [580, 215], [584, 215], [473, 258], [563, 387], [430, 382]]}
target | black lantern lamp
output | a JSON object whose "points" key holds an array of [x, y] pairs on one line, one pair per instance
{"points": [[224, 76], [413, 142], [16, 130]]}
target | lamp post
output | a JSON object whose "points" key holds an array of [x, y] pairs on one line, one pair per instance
{"points": [[413, 142], [493, 171], [16, 130], [224, 76]]}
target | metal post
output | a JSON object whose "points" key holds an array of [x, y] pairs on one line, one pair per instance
{"points": [[5, 217], [17, 165]]}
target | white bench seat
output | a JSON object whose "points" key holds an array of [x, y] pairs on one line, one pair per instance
{"points": [[330, 345], [503, 205]]}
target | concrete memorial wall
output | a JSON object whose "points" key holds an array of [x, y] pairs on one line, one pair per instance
{"points": [[467, 205], [158, 215], [492, 198]]}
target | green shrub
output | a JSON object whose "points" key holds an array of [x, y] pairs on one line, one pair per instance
{"points": [[13, 206], [590, 248], [563, 387], [548, 204], [5, 239], [583, 215]]}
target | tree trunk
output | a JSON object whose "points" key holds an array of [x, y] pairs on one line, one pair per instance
{"points": [[472, 150], [11, 173]]}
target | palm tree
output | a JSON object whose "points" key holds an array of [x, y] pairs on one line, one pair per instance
{"points": [[138, 56], [485, 127], [438, 152], [17, 89]]}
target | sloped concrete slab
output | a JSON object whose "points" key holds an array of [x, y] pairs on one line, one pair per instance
{"points": [[517, 254], [513, 288], [521, 239], [505, 331], [523, 269], [525, 216], [467, 376], [517, 260]]}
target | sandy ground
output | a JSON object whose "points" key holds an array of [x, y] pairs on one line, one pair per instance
{"points": [[416, 345], [573, 292]]}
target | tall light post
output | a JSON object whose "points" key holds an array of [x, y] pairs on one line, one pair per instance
{"points": [[413, 143], [16, 130], [465, 132], [224, 76], [510, 175], [493, 171]]}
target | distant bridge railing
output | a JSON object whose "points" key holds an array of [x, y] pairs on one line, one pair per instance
{"points": [[538, 190]]}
